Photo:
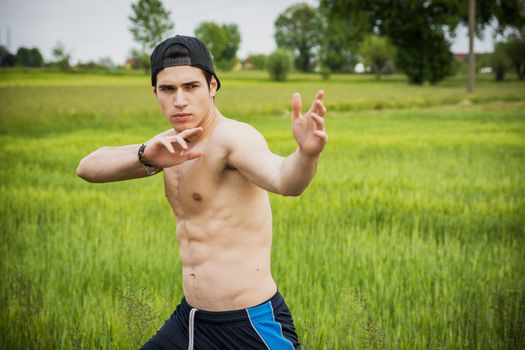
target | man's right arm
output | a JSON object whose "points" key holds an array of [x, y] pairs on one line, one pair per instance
{"points": [[119, 163], [108, 164]]}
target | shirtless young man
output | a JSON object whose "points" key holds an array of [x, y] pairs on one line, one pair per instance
{"points": [[217, 172]]}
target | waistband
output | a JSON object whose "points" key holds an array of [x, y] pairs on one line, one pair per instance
{"points": [[260, 311]]}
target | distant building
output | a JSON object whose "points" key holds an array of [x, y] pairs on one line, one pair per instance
{"points": [[359, 68], [482, 61], [132, 63], [461, 57]]}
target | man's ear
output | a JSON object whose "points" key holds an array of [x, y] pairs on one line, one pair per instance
{"points": [[213, 86]]}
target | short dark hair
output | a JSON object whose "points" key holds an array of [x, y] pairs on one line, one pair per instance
{"points": [[181, 52]]}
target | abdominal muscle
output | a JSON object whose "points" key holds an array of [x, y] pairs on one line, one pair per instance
{"points": [[224, 229], [226, 264]]}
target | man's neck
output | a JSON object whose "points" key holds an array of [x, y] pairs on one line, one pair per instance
{"points": [[208, 124]]}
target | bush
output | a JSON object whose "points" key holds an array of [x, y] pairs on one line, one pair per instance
{"points": [[7, 59], [326, 72], [29, 57], [279, 64], [500, 61], [256, 61], [139, 60]]}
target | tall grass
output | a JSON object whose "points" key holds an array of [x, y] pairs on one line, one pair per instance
{"points": [[410, 237]]}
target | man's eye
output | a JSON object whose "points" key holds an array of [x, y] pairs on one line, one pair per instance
{"points": [[166, 88], [192, 86]]}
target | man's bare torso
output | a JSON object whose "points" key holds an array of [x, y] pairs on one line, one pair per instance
{"points": [[224, 228], [217, 187]]}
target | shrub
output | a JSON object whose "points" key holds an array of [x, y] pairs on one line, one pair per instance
{"points": [[326, 72], [257, 61], [279, 64], [500, 61]]}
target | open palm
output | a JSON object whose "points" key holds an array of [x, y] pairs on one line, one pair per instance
{"points": [[309, 129]]}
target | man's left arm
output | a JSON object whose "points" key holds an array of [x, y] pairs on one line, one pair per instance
{"points": [[288, 176]]}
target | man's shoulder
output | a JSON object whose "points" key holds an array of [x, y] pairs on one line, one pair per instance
{"points": [[234, 125], [237, 141], [234, 130]]}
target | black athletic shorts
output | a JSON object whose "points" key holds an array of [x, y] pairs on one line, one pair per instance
{"points": [[266, 326]]}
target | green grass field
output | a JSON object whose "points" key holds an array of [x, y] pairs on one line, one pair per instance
{"points": [[411, 236]]}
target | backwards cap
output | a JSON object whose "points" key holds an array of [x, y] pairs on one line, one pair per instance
{"points": [[199, 56]]}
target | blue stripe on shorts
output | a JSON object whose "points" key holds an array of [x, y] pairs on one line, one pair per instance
{"points": [[270, 331]]}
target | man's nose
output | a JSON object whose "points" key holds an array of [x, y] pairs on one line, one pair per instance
{"points": [[180, 99]]}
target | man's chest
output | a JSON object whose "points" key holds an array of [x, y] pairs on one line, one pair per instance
{"points": [[192, 186]]}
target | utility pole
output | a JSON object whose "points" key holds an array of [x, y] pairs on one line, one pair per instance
{"points": [[471, 34]]}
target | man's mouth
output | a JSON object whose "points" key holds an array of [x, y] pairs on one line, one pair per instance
{"points": [[181, 116]]}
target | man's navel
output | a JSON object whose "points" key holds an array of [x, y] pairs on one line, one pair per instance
{"points": [[196, 196]]}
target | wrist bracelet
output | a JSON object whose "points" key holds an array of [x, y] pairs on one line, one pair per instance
{"points": [[150, 168]]}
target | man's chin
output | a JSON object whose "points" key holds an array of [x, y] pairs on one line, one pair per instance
{"points": [[180, 127]]}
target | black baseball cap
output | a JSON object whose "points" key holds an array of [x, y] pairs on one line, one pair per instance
{"points": [[199, 56]]}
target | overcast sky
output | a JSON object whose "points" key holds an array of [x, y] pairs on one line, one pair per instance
{"points": [[93, 29]]}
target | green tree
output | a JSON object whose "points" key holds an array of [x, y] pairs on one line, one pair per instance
{"points": [[150, 22], [420, 29], [341, 38], [416, 28], [499, 60], [228, 58], [424, 53], [515, 50], [38, 60], [29, 57], [508, 54], [61, 57], [257, 61], [279, 64], [299, 29], [7, 59], [213, 36], [139, 59], [223, 41], [505, 14], [378, 53]]}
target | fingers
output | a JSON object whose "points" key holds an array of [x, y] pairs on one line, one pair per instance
{"points": [[170, 141], [296, 105], [190, 132], [318, 108], [191, 155], [322, 135], [180, 139], [319, 95], [319, 121], [318, 105], [168, 146]]}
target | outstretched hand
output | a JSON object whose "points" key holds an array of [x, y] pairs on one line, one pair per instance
{"points": [[308, 129], [169, 150]]}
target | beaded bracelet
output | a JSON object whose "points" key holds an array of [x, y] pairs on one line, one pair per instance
{"points": [[150, 168]]}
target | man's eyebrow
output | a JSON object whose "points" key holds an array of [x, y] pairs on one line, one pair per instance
{"points": [[194, 82]]}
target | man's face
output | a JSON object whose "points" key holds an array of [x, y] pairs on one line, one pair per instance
{"points": [[184, 97]]}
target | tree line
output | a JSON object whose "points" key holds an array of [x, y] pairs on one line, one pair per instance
{"points": [[33, 58], [412, 37], [420, 30]]}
